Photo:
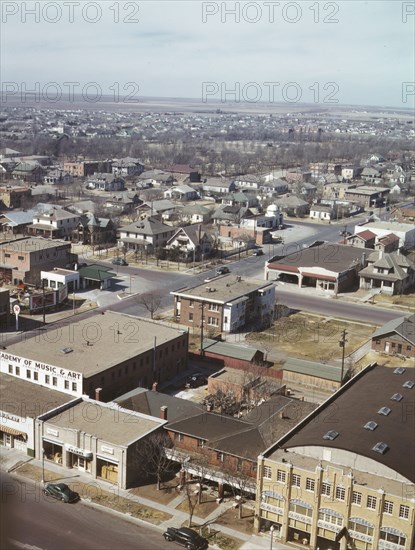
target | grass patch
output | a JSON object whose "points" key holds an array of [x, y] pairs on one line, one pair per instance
{"points": [[167, 493], [311, 337], [206, 507], [231, 519], [125, 505]]}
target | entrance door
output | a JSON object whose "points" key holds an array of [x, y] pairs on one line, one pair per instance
{"points": [[81, 463], [8, 441], [387, 347]]}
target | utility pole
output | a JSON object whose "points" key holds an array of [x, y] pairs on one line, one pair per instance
{"points": [[43, 302], [342, 344], [202, 320]]}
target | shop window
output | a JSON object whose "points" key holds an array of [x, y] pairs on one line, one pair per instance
{"points": [[36, 376], [47, 379]]}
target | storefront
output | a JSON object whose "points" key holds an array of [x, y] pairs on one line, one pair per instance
{"points": [[99, 439], [14, 439]]}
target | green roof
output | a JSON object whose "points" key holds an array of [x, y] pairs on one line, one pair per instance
{"points": [[311, 368], [96, 272], [229, 350]]}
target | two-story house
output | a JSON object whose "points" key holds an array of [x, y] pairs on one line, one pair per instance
{"points": [[127, 167], [55, 224], [106, 182], [191, 242], [225, 304], [147, 235], [391, 273]]}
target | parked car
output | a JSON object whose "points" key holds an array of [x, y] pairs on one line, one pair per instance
{"points": [[258, 252], [345, 233], [61, 492], [186, 537], [196, 380], [119, 261], [222, 270]]}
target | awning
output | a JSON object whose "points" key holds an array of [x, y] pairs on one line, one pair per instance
{"points": [[12, 431]]}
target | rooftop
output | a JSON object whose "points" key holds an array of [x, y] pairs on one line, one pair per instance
{"points": [[116, 425], [19, 398], [222, 289], [357, 403], [312, 368], [106, 347], [31, 244]]}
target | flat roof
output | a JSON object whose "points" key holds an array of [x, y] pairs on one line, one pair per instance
{"points": [[391, 226], [111, 422], [22, 398], [225, 289], [31, 244], [106, 347], [229, 350]]}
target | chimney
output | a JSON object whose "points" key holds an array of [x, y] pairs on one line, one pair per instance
{"points": [[363, 259], [163, 412], [97, 392], [154, 386], [380, 253]]}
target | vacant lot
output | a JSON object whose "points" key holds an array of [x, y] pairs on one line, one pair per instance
{"points": [[310, 337]]}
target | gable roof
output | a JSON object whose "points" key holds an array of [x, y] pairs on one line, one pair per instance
{"points": [[403, 326], [366, 235], [313, 368], [149, 226]]}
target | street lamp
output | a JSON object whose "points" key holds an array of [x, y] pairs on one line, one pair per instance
{"points": [[272, 535], [43, 464]]}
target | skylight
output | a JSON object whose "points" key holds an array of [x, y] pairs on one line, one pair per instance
{"points": [[330, 435], [384, 411], [380, 448], [397, 397], [399, 370], [371, 425], [408, 384], [67, 350]]}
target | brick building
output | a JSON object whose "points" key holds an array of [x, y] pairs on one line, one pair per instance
{"points": [[396, 337], [110, 351], [225, 303], [24, 259]]}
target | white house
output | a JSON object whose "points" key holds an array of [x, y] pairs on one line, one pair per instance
{"points": [[147, 234], [58, 278], [57, 223], [182, 193], [319, 212]]}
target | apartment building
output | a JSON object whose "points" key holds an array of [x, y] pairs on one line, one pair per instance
{"points": [[225, 303]]}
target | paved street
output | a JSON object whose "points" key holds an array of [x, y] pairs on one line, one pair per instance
{"points": [[34, 521]]}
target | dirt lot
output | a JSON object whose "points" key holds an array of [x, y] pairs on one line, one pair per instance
{"points": [[310, 337], [165, 495], [407, 300], [206, 507], [231, 519], [384, 360]]}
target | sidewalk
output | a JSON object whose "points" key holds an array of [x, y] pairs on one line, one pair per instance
{"points": [[11, 460]]}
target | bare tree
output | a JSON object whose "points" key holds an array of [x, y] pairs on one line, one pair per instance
{"points": [[154, 450], [151, 301], [239, 481]]}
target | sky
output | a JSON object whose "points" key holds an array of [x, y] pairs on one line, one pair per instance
{"points": [[343, 52]]}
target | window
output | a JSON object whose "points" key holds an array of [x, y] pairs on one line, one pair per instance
{"points": [[281, 476], [404, 511], [47, 379], [28, 374], [301, 508], [66, 384], [325, 489], [388, 507], [220, 456], [21, 258], [356, 498], [340, 493], [360, 526], [310, 484], [296, 480], [190, 316], [178, 437], [17, 371], [191, 303], [267, 472], [10, 369], [213, 321], [54, 381], [329, 517], [213, 307], [408, 348], [201, 442], [371, 502], [35, 376], [74, 386], [398, 539]]}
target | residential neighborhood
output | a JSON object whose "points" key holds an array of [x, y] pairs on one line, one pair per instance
{"points": [[224, 345]]}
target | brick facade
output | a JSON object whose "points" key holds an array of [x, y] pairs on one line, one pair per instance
{"points": [[393, 344]]}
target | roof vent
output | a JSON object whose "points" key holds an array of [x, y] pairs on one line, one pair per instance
{"points": [[331, 435], [399, 370], [371, 425], [384, 411], [408, 384], [380, 448], [67, 350], [397, 397]]}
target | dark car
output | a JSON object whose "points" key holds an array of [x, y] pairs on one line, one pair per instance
{"points": [[186, 537], [222, 270], [119, 261], [196, 380], [60, 491], [258, 252]]}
